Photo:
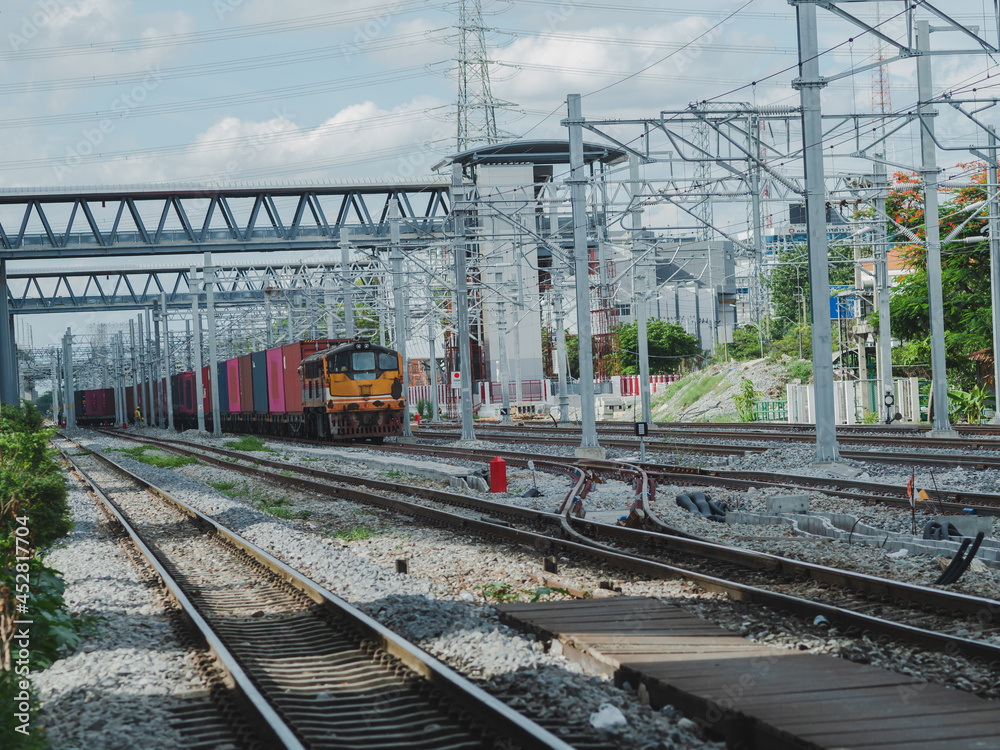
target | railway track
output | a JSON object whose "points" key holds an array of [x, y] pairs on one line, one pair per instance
{"points": [[929, 617], [948, 501], [311, 671], [692, 442]]}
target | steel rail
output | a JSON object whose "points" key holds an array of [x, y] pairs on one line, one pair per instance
{"points": [[498, 717], [266, 720], [945, 500], [986, 610], [670, 444]]}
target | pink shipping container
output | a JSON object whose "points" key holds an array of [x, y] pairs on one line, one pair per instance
{"points": [[275, 381], [233, 381]]}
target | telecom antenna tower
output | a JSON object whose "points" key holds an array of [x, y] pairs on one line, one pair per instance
{"points": [[477, 121], [881, 98]]}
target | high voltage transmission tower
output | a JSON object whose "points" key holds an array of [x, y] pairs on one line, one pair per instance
{"points": [[477, 121]]}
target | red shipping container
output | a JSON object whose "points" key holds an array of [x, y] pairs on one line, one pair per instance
{"points": [[206, 386], [246, 383], [275, 381], [233, 378], [292, 356]]}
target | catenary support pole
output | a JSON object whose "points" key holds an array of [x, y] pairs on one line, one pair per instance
{"points": [[504, 366], [993, 194], [932, 230], [810, 85], [55, 391], [561, 357], [589, 446], [213, 351], [640, 285], [399, 303], [882, 295], [158, 367], [199, 386], [8, 373], [70, 389], [154, 397], [167, 372], [432, 357], [459, 210], [346, 282], [135, 368]]}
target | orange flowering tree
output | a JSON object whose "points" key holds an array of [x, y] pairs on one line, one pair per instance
{"points": [[965, 269]]}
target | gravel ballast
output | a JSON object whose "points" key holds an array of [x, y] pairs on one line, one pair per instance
{"points": [[115, 691], [440, 605]]}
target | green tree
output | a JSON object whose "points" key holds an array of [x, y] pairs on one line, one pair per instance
{"points": [[965, 271], [788, 285], [668, 343], [746, 344]]}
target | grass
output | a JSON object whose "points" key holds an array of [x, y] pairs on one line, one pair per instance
{"points": [[248, 443], [697, 389], [356, 533], [393, 474], [801, 370], [155, 458], [275, 506]]}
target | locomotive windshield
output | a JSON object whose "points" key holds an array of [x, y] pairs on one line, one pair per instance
{"points": [[364, 365]]}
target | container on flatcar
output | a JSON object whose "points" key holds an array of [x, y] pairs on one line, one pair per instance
{"points": [[79, 411], [233, 385], [246, 383], [275, 381], [223, 387], [258, 369]]}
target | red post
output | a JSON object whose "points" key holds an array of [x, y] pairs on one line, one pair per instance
{"points": [[498, 475]]}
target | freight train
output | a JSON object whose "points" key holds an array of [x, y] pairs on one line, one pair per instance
{"points": [[336, 389]]}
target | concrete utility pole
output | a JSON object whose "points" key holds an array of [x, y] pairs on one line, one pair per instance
{"points": [[8, 351], [399, 302], [121, 401], [167, 372], [158, 369], [459, 209], [135, 369], [55, 391], [561, 359], [993, 195], [589, 447], [199, 401], [213, 351], [810, 85], [932, 228], [882, 292], [639, 286], [503, 375], [67, 343]]}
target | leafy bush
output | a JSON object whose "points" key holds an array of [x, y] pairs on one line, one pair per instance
{"points": [[424, 409], [800, 370], [33, 497], [746, 401], [969, 405]]}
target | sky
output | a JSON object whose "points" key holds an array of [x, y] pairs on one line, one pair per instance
{"points": [[104, 92]]}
